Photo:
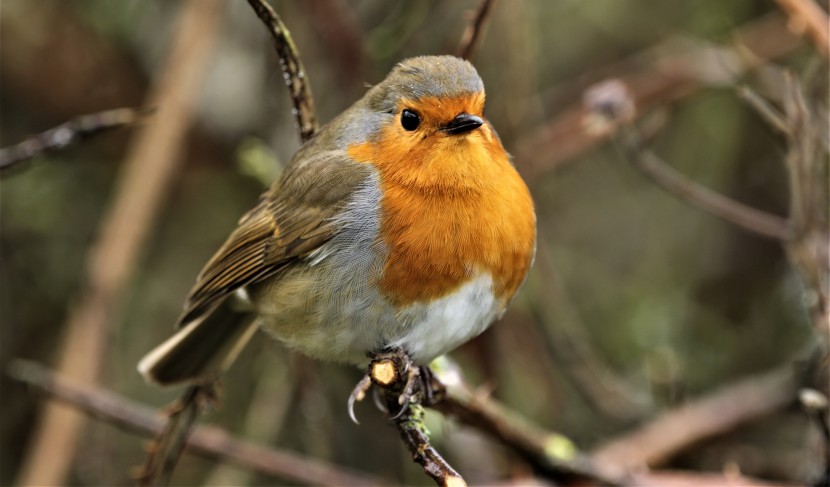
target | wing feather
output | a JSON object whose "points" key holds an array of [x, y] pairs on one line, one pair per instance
{"points": [[291, 220]]}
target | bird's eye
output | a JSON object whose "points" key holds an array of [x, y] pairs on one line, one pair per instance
{"points": [[410, 120]]}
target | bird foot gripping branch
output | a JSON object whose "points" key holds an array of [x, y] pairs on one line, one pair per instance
{"points": [[401, 380]]}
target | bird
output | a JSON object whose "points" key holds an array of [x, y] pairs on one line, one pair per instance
{"points": [[401, 224]]}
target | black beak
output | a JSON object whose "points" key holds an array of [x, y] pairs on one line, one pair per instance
{"points": [[463, 123]]}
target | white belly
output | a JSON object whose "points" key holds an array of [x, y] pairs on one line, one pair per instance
{"points": [[436, 328]]}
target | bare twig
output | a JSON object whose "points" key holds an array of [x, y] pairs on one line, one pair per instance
{"points": [[410, 424], [475, 30], [148, 170], [815, 404], [744, 216], [550, 454], [807, 16], [673, 74], [292, 68], [79, 128], [717, 413], [610, 108], [207, 441], [167, 448], [808, 169], [404, 389]]}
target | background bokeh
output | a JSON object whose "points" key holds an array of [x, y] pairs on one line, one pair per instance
{"points": [[663, 302]]}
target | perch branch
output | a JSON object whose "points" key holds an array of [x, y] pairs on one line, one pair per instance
{"points": [[806, 16], [207, 441], [145, 177], [609, 107], [292, 69], [403, 388], [475, 30], [77, 129], [410, 425]]}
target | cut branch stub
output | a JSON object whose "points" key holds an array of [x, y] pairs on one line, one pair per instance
{"points": [[384, 372]]}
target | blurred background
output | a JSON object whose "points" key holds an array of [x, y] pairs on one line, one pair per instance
{"points": [[637, 304]]}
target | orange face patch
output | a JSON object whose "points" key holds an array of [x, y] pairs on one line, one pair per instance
{"points": [[452, 206]]}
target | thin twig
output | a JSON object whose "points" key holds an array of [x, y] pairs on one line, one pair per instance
{"points": [[145, 177], [410, 424], [744, 216], [815, 404], [717, 413], [167, 448], [77, 129], [404, 389], [207, 441], [475, 30], [672, 75], [807, 16], [292, 68], [550, 454], [609, 107]]}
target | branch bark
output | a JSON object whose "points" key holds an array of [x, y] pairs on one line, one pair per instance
{"points": [[550, 454], [77, 129], [719, 412], [151, 163], [207, 441], [292, 69], [739, 214], [475, 30], [667, 79]]}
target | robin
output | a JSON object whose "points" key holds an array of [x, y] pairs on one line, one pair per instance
{"points": [[402, 224]]}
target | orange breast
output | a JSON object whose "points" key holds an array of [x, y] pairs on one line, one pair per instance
{"points": [[452, 207]]}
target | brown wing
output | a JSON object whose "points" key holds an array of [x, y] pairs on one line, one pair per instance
{"points": [[292, 219]]}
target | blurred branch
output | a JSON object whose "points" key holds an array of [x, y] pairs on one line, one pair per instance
{"points": [[77, 129], [719, 412], [610, 108], [807, 16], [167, 448], [267, 411], [808, 169], [666, 177], [143, 182], [671, 74], [550, 454], [292, 69], [207, 441], [815, 404], [475, 30]]}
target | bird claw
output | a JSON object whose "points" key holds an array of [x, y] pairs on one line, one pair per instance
{"points": [[358, 394], [393, 370]]}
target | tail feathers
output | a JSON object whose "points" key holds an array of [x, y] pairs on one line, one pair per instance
{"points": [[201, 350]]}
